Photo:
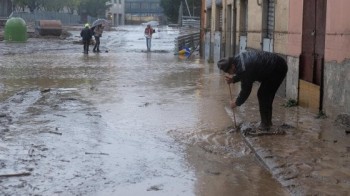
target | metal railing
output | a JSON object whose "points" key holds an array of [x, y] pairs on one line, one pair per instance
{"points": [[190, 41], [188, 21]]}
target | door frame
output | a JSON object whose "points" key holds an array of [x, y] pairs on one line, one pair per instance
{"points": [[311, 64]]}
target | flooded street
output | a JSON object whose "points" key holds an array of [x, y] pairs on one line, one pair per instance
{"points": [[120, 122]]}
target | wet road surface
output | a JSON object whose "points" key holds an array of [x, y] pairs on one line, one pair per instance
{"points": [[121, 122]]}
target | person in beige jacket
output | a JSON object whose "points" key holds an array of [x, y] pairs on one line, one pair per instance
{"points": [[97, 34]]}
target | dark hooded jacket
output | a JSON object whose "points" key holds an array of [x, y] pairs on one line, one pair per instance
{"points": [[254, 66], [86, 33]]}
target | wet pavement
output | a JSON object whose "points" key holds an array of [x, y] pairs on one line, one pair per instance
{"points": [[312, 158], [131, 122]]}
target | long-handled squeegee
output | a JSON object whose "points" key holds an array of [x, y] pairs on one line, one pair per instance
{"points": [[233, 112]]}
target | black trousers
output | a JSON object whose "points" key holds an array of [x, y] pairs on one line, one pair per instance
{"points": [[267, 91], [97, 44], [86, 45]]}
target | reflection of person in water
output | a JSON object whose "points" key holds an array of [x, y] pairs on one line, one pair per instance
{"points": [[267, 68], [148, 34]]}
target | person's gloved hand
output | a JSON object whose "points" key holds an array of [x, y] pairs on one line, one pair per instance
{"points": [[229, 79], [233, 104]]}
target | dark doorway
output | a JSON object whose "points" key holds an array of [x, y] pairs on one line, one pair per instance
{"points": [[312, 55]]}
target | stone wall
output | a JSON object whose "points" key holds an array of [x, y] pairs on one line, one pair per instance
{"points": [[336, 88], [292, 81]]}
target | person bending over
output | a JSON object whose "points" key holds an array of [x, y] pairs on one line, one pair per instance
{"points": [[267, 68]]}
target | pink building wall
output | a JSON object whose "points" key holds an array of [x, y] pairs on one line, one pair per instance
{"points": [[337, 58], [338, 30], [295, 26]]}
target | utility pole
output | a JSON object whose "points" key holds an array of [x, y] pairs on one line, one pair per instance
{"points": [[180, 15], [193, 8], [188, 9]]}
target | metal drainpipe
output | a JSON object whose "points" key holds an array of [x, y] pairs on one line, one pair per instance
{"points": [[212, 31], [202, 29], [234, 28], [223, 29]]}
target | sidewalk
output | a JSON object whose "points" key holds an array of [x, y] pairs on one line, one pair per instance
{"points": [[312, 158]]}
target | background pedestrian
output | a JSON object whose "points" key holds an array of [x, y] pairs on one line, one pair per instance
{"points": [[86, 34], [98, 30], [148, 34]]}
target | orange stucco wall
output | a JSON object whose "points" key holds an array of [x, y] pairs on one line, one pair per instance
{"points": [[338, 30]]}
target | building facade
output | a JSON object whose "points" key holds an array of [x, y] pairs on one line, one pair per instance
{"points": [[5, 8], [312, 35], [116, 12], [139, 11]]}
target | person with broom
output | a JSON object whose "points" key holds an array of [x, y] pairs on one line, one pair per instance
{"points": [[267, 68]]}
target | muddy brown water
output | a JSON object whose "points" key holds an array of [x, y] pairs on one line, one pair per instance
{"points": [[121, 122]]}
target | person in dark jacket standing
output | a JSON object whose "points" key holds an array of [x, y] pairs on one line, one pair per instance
{"points": [[86, 34], [267, 68]]}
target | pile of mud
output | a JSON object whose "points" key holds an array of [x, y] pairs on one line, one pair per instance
{"points": [[343, 120]]}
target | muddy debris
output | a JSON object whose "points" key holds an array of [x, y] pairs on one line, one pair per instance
{"points": [[5, 130], [214, 173], [343, 119], [145, 104], [96, 153], [286, 126], [155, 188], [253, 130], [46, 90], [52, 132], [15, 174], [257, 132]]}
